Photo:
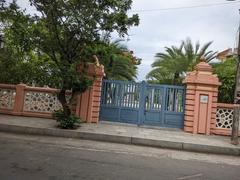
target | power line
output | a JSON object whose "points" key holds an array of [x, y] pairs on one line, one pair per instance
{"points": [[184, 7]]}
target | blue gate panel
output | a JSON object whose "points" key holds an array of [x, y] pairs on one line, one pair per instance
{"points": [[109, 114], [173, 119], [142, 103], [152, 118], [129, 116]]}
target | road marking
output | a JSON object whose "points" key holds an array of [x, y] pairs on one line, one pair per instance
{"points": [[190, 177]]}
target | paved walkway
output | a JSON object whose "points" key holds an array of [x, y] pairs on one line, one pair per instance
{"points": [[123, 133]]}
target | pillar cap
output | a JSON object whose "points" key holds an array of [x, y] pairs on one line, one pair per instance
{"points": [[203, 66], [202, 75]]}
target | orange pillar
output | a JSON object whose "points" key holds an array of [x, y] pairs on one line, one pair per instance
{"points": [[88, 104], [19, 99], [201, 99]]}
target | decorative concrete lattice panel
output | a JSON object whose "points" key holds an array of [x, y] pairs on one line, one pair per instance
{"points": [[224, 118], [7, 98], [41, 102]]}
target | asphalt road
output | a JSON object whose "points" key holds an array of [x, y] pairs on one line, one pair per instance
{"points": [[24, 157]]}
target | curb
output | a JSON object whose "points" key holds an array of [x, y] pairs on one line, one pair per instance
{"points": [[121, 139]]}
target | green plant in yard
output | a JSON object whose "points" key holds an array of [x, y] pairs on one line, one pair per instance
{"points": [[226, 72], [66, 122]]}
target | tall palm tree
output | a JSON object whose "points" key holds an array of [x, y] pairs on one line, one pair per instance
{"points": [[171, 66]]}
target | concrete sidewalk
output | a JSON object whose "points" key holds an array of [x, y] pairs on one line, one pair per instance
{"points": [[122, 133]]}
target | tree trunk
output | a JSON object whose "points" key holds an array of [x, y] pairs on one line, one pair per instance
{"points": [[63, 101]]}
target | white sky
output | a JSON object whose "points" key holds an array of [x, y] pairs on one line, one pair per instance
{"points": [[159, 29]]}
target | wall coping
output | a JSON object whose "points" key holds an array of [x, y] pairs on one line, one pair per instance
{"points": [[225, 105], [7, 86]]}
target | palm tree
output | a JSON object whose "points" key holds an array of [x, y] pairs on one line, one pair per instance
{"points": [[171, 66], [119, 62]]}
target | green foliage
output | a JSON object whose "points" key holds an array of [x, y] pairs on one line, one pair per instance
{"points": [[31, 70], [61, 31], [120, 68], [119, 63], [66, 122], [226, 72], [171, 66]]}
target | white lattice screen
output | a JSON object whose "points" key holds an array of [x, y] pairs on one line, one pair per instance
{"points": [[41, 102], [224, 118], [7, 98]]}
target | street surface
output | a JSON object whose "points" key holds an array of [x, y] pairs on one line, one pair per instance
{"points": [[24, 157]]}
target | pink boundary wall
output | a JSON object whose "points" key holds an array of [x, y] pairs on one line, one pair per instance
{"points": [[87, 105], [201, 100], [223, 131]]}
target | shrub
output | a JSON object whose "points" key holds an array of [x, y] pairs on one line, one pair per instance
{"points": [[66, 122], [226, 72]]}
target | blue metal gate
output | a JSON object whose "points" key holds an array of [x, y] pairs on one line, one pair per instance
{"points": [[142, 103]]}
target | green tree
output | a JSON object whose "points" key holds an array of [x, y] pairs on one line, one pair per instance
{"points": [[63, 29], [20, 61], [171, 66], [226, 72]]}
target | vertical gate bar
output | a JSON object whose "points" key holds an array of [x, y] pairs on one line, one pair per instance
{"points": [[131, 95], [164, 97], [183, 99], [141, 102], [174, 99], [119, 105], [120, 95], [129, 86], [152, 99], [158, 100], [124, 95], [138, 95], [108, 92], [115, 93], [105, 93], [127, 95], [134, 97], [177, 100]]}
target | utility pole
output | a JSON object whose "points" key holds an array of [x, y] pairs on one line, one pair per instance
{"points": [[236, 112]]}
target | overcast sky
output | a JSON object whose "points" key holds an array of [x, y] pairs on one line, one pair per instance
{"points": [[161, 28]]}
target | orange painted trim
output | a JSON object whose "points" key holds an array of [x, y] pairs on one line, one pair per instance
{"points": [[188, 129], [188, 123], [225, 105], [7, 86], [221, 131]]}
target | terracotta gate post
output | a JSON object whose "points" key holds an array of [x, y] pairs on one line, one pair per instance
{"points": [[88, 103], [201, 99]]}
